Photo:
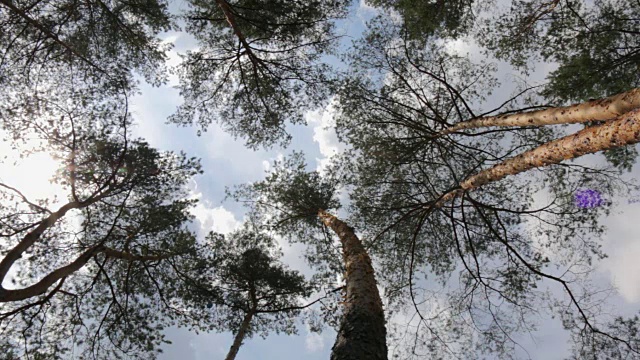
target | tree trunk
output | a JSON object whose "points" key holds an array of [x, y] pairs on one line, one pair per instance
{"points": [[622, 131], [362, 334], [237, 341], [231, 20], [31, 237], [602, 109], [43, 285]]}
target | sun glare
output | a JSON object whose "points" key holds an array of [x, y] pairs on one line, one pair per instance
{"points": [[31, 175]]}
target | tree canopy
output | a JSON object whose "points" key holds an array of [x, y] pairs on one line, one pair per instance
{"points": [[95, 272], [258, 65], [247, 289], [461, 212]]}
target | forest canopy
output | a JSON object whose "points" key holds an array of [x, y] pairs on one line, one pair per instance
{"points": [[401, 179]]}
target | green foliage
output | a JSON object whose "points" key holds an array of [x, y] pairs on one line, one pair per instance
{"points": [[294, 193], [622, 158], [424, 18], [126, 197], [65, 61], [66, 71], [90, 39], [396, 98], [240, 273], [595, 44], [265, 72], [612, 341], [288, 200]]}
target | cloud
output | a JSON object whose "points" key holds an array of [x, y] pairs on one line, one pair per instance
{"points": [[365, 9], [623, 247], [314, 342], [31, 174], [323, 122], [217, 219]]}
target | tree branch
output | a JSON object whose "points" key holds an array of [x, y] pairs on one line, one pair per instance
{"points": [[601, 109]]}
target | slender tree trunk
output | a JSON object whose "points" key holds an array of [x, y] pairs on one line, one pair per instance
{"points": [[43, 285], [31, 237], [362, 334], [602, 109], [624, 130], [237, 341], [231, 20], [39, 288]]}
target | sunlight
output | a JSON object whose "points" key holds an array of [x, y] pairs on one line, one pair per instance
{"points": [[31, 175]]}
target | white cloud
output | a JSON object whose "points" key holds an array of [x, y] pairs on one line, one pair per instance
{"points": [[623, 247], [461, 46], [31, 175], [314, 342], [211, 218], [266, 165], [366, 10], [363, 6], [323, 122]]}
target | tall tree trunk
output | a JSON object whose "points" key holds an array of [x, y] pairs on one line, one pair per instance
{"points": [[362, 334], [602, 109], [237, 341], [622, 131], [231, 20]]}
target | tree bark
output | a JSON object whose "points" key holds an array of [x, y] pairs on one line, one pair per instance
{"points": [[43, 285], [31, 237], [39, 288], [624, 130], [362, 334], [231, 20], [237, 341], [602, 109]]}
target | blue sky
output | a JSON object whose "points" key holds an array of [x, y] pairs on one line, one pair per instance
{"points": [[226, 162]]}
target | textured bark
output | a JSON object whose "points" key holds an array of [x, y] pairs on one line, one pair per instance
{"points": [[362, 334], [624, 130], [237, 341], [602, 109]]}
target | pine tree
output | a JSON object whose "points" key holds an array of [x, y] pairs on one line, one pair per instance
{"points": [[419, 147], [258, 65], [595, 44], [97, 271], [245, 286], [300, 202]]}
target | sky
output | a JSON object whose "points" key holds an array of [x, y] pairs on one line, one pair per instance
{"points": [[226, 162]]}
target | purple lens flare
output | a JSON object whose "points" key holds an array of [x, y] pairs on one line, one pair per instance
{"points": [[588, 198]]}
